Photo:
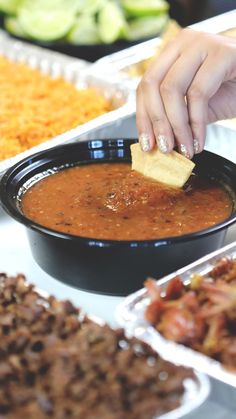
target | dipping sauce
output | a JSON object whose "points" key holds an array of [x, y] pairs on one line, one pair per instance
{"points": [[109, 201]]}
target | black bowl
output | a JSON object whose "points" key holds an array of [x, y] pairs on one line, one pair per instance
{"points": [[110, 266]]}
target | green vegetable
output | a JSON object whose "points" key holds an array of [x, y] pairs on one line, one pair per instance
{"points": [[84, 31], [144, 7], [10, 6], [84, 21], [91, 6], [144, 27], [13, 26], [50, 26], [50, 5], [111, 23]]}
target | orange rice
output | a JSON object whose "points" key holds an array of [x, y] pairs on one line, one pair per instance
{"points": [[35, 107]]}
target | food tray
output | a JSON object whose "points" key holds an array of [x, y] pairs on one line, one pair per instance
{"points": [[77, 72], [196, 392], [121, 62], [130, 315], [221, 140], [228, 123], [196, 389]]}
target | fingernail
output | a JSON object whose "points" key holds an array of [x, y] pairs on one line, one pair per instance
{"points": [[196, 146], [162, 143], [184, 151], [144, 140]]}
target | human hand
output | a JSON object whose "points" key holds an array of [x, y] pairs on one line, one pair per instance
{"points": [[190, 84]]}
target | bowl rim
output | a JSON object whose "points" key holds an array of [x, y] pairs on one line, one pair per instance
{"points": [[15, 213]]}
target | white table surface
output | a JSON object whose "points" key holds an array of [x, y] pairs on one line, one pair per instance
{"points": [[15, 257]]}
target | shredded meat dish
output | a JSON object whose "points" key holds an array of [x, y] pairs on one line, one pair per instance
{"points": [[57, 363], [200, 314]]}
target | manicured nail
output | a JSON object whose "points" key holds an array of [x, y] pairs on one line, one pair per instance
{"points": [[196, 146], [144, 140], [184, 151], [162, 143]]}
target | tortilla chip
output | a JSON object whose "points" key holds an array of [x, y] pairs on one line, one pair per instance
{"points": [[172, 169]]}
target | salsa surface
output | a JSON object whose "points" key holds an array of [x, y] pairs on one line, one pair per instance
{"points": [[109, 201]]}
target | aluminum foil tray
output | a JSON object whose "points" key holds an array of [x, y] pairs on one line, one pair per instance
{"points": [[228, 123], [77, 72], [130, 315], [122, 62], [196, 390]]}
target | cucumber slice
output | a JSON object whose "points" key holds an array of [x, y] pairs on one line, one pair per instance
{"points": [[145, 27], [144, 8], [10, 6], [50, 4], [84, 31], [47, 25], [13, 26], [91, 6], [111, 23], [71, 6]]}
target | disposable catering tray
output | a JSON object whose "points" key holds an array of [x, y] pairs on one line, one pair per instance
{"points": [[130, 315], [196, 387], [196, 390], [77, 72], [228, 123], [124, 63]]}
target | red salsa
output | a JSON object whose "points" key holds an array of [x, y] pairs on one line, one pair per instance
{"points": [[109, 201]]}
